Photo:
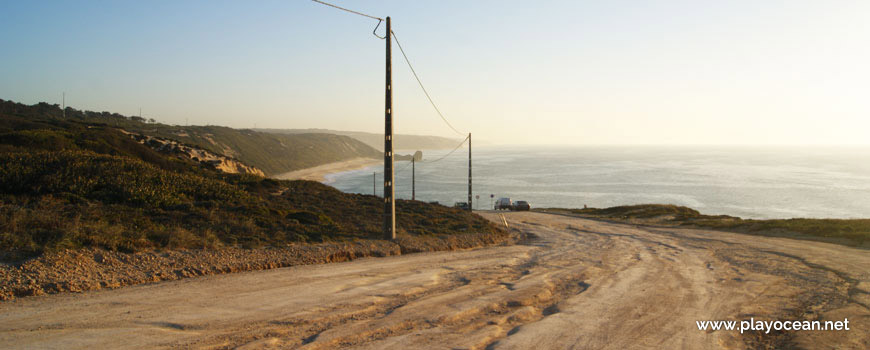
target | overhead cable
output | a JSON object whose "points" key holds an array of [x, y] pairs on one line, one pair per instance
{"points": [[348, 10], [422, 87], [451, 152], [374, 31]]}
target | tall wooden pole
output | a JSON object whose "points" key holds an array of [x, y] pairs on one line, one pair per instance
{"points": [[413, 178], [374, 184], [389, 175], [469, 172]]}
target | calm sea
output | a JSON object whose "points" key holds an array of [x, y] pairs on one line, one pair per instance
{"points": [[769, 182]]}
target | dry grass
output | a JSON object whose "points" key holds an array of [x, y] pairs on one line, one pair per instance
{"points": [[851, 232], [71, 184]]}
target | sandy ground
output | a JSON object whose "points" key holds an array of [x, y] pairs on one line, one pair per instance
{"points": [[580, 284], [319, 173]]}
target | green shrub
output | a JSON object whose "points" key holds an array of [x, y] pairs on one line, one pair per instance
{"points": [[79, 182]]}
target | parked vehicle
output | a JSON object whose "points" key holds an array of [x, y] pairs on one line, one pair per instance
{"points": [[461, 205], [522, 206], [503, 203]]}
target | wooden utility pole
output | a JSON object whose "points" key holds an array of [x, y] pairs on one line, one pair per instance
{"points": [[63, 104], [469, 171], [375, 184], [389, 175], [413, 178]]}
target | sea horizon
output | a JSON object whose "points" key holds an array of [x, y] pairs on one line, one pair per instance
{"points": [[755, 182]]}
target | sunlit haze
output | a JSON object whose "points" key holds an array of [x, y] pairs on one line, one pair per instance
{"points": [[530, 72]]}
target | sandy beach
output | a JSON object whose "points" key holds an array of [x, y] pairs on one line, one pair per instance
{"points": [[319, 173]]}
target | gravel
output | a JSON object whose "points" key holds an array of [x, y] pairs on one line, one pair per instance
{"points": [[87, 269]]}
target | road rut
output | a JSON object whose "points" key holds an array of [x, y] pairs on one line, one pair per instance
{"points": [[576, 284]]}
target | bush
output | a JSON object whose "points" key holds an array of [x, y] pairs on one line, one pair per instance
{"points": [[65, 183]]}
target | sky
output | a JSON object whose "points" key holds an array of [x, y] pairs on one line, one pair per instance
{"points": [[760, 72]]}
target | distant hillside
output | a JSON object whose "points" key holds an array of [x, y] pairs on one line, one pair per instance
{"points": [[376, 141], [73, 183], [195, 154], [272, 153], [275, 154]]}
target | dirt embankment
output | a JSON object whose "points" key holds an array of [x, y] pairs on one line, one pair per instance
{"points": [[218, 162], [92, 269], [578, 284]]}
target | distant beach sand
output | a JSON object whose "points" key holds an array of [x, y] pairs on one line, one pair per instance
{"points": [[319, 173]]}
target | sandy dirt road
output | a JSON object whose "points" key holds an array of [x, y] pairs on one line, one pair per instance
{"points": [[580, 284]]}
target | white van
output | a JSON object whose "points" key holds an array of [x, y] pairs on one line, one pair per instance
{"points": [[504, 203]]}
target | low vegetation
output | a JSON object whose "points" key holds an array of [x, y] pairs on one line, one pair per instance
{"points": [[272, 153], [71, 184], [852, 232]]}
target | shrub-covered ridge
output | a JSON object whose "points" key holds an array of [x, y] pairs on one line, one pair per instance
{"points": [[68, 183], [70, 199]]}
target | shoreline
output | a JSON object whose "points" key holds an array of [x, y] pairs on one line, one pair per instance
{"points": [[320, 172]]}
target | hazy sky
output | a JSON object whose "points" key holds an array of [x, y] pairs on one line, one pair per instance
{"points": [[544, 72]]}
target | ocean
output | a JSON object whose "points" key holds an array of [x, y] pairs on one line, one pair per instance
{"points": [[749, 182]]}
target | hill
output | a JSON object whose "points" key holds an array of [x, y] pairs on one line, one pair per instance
{"points": [[74, 199], [73, 183], [376, 141], [272, 153]]}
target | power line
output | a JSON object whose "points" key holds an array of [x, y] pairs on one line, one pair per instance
{"points": [[404, 168], [422, 87], [398, 171], [348, 10], [404, 55], [451, 152], [430, 161], [389, 173], [389, 214]]}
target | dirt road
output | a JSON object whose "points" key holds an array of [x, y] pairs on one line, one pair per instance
{"points": [[580, 284]]}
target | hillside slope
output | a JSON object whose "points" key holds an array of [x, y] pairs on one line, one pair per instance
{"points": [[67, 183], [272, 153], [376, 141]]}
